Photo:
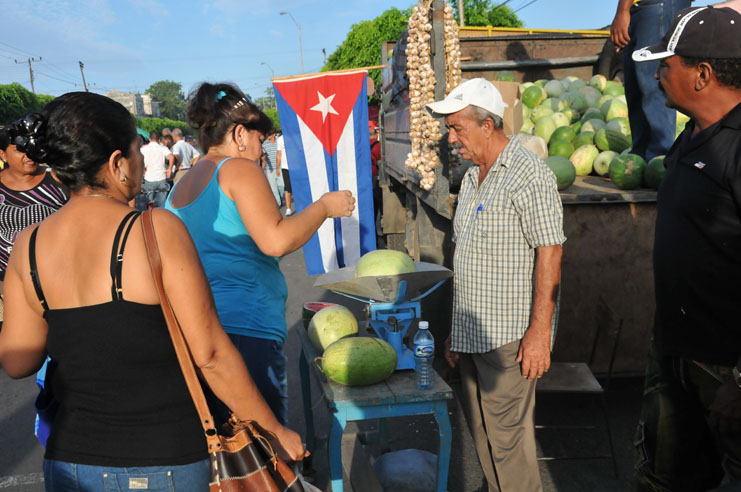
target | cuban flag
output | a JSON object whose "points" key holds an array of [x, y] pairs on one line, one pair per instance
{"points": [[324, 120]]}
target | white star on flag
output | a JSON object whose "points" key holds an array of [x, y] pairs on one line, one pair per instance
{"points": [[325, 105]]}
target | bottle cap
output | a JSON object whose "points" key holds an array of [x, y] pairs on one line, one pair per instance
{"points": [[424, 325]]}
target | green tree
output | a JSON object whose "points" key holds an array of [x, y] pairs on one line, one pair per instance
{"points": [[16, 101], [157, 124], [484, 13], [362, 47], [273, 115], [171, 98]]}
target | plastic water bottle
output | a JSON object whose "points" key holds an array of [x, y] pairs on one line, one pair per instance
{"points": [[424, 354]]}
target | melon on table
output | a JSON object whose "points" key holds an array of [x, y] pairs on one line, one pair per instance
{"points": [[384, 262], [563, 169], [311, 308], [626, 171], [359, 361], [331, 324]]}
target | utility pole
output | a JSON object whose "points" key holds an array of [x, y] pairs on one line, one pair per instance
{"points": [[30, 69], [460, 13], [84, 84]]}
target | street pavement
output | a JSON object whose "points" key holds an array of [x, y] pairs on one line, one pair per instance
{"points": [[21, 455]]}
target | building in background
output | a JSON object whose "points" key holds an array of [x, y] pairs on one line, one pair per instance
{"points": [[140, 105]]}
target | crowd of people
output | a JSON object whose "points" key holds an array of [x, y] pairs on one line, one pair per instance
{"points": [[78, 288]]}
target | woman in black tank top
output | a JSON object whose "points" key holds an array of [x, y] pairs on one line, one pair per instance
{"points": [[79, 288]]}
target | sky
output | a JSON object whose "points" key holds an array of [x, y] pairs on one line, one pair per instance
{"points": [[129, 44]]}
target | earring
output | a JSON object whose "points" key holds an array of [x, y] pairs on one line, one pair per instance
{"points": [[242, 148], [124, 179]]}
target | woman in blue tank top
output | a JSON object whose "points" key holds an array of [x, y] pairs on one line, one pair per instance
{"points": [[229, 209], [79, 287]]}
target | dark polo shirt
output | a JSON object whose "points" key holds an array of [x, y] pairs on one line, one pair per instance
{"points": [[697, 248]]}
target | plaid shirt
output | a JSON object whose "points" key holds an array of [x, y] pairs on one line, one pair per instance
{"points": [[497, 227]]}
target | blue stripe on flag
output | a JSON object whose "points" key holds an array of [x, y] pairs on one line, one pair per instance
{"points": [[364, 174], [299, 179]]}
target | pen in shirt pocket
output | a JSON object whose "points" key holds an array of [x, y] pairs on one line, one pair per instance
{"points": [[479, 209]]}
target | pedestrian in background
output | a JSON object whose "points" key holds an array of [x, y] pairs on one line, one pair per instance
{"points": [[270, 166], [159, 162], [285, 175], [689, 434], [187, 154]]}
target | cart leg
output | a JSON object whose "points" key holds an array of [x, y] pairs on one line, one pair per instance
{"points": [[307, 467], [446, 435], [335, 450]]}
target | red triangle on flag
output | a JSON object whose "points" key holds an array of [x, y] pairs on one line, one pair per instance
{"points": [[324, 103]]}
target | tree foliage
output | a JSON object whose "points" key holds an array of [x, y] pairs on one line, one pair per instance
{"points": [[171, 98], [485, 13], [157, 124], [16, 101], [273, 115], [362, 47]]}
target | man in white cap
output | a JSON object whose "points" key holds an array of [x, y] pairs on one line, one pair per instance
{"points": [[689, 434], [508, 232]]}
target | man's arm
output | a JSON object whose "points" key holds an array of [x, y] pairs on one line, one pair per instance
{"points": [[171, 165], [733, 4], [619, 28], [535, 348]]}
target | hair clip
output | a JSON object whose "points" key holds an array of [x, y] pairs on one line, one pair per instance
{"points": [[220, 95]]}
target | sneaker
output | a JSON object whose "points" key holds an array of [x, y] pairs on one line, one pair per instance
{"points": [[289, 212]]}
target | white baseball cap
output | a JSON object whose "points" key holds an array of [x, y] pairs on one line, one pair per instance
{"points": [[475, 92]]}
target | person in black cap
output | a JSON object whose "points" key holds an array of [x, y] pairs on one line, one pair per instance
{"points": [[689, 434]]}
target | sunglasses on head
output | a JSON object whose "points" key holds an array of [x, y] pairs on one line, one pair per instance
{"points": [[24, 132]]}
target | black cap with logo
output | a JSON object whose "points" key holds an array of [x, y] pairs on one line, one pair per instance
{"points": [[703, 32]]}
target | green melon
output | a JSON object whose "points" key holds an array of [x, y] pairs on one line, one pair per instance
{"points": [[591, 94], [613, 89], [601, 164], [541, 82], [626, 171], [524, 86], [592, 114], [577, 84], [533, 96], [384, 262], [593, 125], [527, 126], [563, 169], [577, 126], [540, 111], [560, 119], [598, 82], [331, 324], [619, 124], [583, 159], [310, 309], [576, 100], [572, 114], [505, 76], [359, 361], [556, 104], [583, 138], [554, 88], [654, 172], [607, 139], [565, 133], [544, 128], [614, 108], [560, 148]]}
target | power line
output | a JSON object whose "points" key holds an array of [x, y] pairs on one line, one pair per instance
{"points": [[530, 3], [18, 49]]}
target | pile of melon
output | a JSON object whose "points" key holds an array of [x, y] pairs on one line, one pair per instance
{"points": [[585, 126]]}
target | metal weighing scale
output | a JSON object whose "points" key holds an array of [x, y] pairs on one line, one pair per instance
{"points": [[389, 312]]}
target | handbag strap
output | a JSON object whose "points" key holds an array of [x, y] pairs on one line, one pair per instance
{"points": [[178, 340]]}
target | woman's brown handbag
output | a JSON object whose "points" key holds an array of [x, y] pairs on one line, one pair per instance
{"points": [[244, 461]]}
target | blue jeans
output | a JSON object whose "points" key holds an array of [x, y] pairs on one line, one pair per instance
{"points": [[266, 362], [156, 192], [652, 124], [60, 476]]}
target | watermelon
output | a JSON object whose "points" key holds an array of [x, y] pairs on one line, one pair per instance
{"points": [[607, 139], [576, 126], [384, 262], [330, 324], [560, 119], [533, 96], [544, 127], [554, 88], [577, 84], [310, 309], [541, 82], [592, 114], [560, 148], [583, 138], [524, 86], [614, 108], [359, 361], [576, 100], [505, 76], [572, 114], [565, 133], [539, 112], [583, 158], [599, 82], [626, 171], [563, 169], [601, 164], [619, 124], [654, 172], [593, 125], [526, 112], [556, 104], [613, 88], [527, 126], [591, 94]]}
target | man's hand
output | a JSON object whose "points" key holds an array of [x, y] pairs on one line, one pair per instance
{"points": [[450, 356], [535, 353], [725, 411], [619, 29]]}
